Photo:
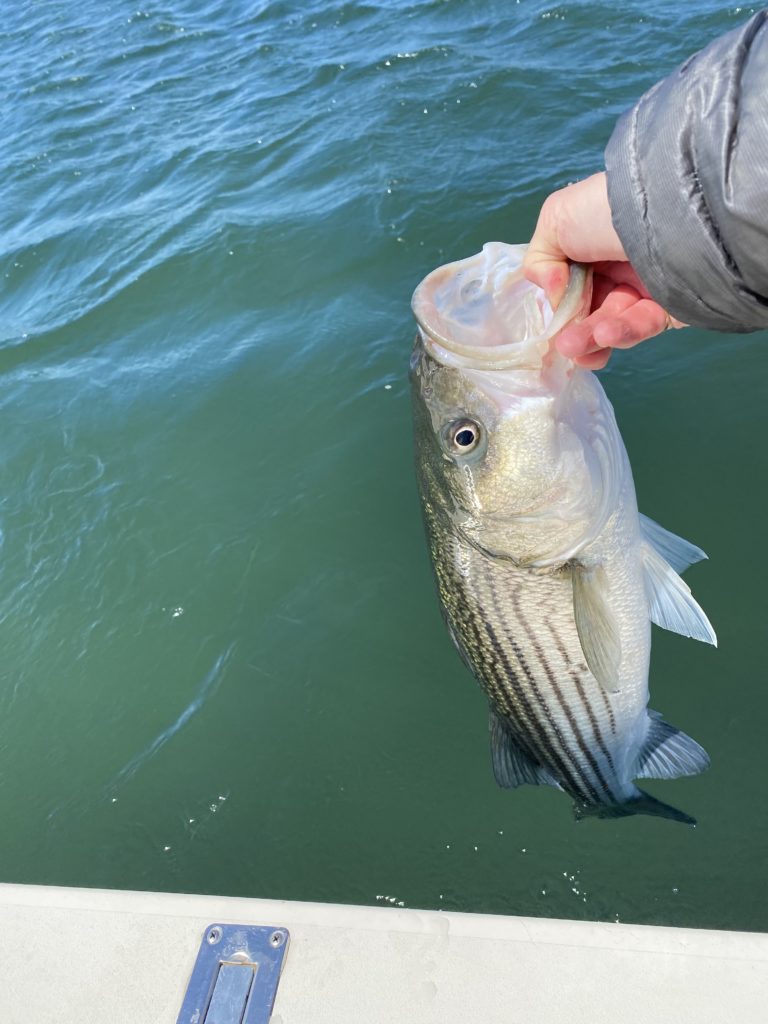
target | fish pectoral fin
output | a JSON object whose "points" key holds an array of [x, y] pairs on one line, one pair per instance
{"points": [[512, 767], [670, 602], [597, 626], [677, 552], [669, 753]]}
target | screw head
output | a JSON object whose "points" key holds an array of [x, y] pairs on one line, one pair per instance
{"points": [[214, 935], [277, 939]]}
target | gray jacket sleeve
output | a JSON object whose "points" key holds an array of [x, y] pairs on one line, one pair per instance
{"points": [[688, 184]]}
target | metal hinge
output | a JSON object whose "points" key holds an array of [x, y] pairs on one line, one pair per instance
{"points": [[235, 977]]}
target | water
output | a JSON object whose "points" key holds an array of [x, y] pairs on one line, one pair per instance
{"points": [[223, 667]]}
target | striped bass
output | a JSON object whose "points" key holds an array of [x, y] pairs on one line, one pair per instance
{"points": [[548, 576]]}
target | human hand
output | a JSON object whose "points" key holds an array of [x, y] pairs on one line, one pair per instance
{"points": [[575, 224]]}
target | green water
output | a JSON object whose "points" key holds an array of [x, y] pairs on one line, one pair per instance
{"points": [[224, 668]]}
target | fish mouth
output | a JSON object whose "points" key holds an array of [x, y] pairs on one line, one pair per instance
{"points": [[481, 313]]}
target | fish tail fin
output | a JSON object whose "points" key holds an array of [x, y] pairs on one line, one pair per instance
{"points": [[642, 803]]}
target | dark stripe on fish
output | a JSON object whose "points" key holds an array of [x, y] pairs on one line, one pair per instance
{"points": [[501, 682], [593, 721], [485, 659], [587, 787], [575, 729], [554, 761], [558, 760], [514, 701], [584, 670], [481, 648], [471, 633], [577, 680]]}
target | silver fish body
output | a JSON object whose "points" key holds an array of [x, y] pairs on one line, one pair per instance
{"points": [[547, 575]]}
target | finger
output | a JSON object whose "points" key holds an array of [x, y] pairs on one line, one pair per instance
{"points": [[575, 340], [621, 272], [578, 339], [583, 338], [594, 360], [601, 289], [611, 299], [641, 320]]}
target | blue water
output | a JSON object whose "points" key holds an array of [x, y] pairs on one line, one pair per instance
{"points": [[223, 664]]}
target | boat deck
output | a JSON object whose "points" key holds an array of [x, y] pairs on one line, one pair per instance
{"points": [[102, 957]]}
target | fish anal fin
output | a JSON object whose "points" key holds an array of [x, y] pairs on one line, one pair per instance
{"points": [[669, 753], [596, 625], [677, 552], [670, 602], [512, 767]]}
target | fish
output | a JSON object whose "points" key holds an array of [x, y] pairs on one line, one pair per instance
{"points": [[548, 576]]}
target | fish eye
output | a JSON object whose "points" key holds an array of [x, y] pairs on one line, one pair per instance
{"points": [[463, 436]]}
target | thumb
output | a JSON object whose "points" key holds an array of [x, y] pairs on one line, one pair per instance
{"points": [[547, 271], [574, 223], [545, 263]]}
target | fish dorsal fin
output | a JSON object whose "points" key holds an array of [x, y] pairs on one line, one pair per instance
{"points": [[677, 552], [668, 753], [597, 627], [512, 767], [670, 602]]}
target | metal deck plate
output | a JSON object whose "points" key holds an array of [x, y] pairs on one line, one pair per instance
{"points": [[235, 977]]}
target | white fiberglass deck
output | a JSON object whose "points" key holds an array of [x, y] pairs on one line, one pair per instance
{"points": [[98, 957]]}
